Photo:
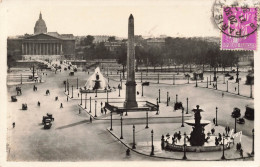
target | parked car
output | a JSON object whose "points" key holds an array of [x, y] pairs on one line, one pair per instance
{"points": [[250, 112], [236, 113], [178, 105], [241, 121], [47, 125], [71, 73], [24, 106], [231, 78], [13, 98], [145, 83]]}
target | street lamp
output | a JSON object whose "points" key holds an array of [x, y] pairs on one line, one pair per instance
{"points": [[68, 88], [77, 82], [176, 98], [167, 98], [196, 80], [159, 96], [80, 98], [141, 76], [157, 113], [216, 116], [173, 79], [118, 92], [146, 120], [121, 128], [107, 96], [90, 104], [95, 108], [238, 87], [72, 91], [216, 83], [86, 101], [207, 83], [133, 147], [223, 155], [227, 85], [111, 121], [235, 125], [65, 85], [253, 144], [182, 125], [142, 90], [158, 78], [184, 147], [209, 79], [152, 152], [187, 105]]}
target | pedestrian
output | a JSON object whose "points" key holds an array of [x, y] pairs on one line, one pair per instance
{"points": [[241, 153], [90, 119], [101, 104], [39, 103], [67, 98], [214, 121], [79, 110], [78, 94], [101, 110], [105, 110], [226, 129], [61, 105], [13, 124], [137, 92], [128, 152], [235, 88], [212, 130], [222, 94]]}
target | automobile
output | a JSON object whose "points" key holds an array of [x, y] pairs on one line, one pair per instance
{"points": [[65, 69], [75, 69], [236, 113], [178, 105], [46, 119], [227, 74], [250, 112], [47, 125], [145, 83], [13, 98], [24, 106], [241, 121], [50, 116], [231, 78]]}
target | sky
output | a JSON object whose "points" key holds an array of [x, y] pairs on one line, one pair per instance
{"points": [[176, 18]]}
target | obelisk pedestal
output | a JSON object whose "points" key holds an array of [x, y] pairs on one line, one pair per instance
{"points": [[130, 98]]}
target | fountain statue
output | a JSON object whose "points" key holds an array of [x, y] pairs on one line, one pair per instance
{"points": [[96, 81]]}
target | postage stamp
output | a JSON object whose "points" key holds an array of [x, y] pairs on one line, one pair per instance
{"points": [[238, 24]]}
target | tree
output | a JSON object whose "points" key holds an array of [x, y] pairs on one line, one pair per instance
{"points": [[111, 39]]}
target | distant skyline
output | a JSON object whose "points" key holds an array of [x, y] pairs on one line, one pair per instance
{"points": [[176, 18]]}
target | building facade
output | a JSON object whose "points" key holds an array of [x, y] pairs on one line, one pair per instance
{"points": [[41, 45]]}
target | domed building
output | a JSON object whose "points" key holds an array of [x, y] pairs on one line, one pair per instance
{"points": [[41, 45], [40, 26]]}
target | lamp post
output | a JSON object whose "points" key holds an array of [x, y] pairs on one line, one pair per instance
{"points": [[72, 91], [216, 83], [141, 76], [158, 79], [216, 116], [173, 79], [146, 120], [209, 79], [142, 90], [65, 85], [184, 147], [251, 91], [159, 96], [167, 98], [224, 79], [187, 105], [152, 151], [121, 83], [157, 113], [182, 120], [227, 85], [90, 104], [86, 101], [253, 143], [96, 93], [223, 155], [133, 147], [77, 83], [207, 83], [176, 98], [188, 79], [196, 81], [80, 98], [111, 128], [121, 128], [21, 78], [95, 108], [68, 88], [119, 92]]}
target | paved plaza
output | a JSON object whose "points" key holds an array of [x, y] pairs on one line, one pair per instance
{"points": [[73, 137]]}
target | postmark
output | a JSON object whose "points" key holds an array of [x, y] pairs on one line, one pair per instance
{"points": [[238, 23]]}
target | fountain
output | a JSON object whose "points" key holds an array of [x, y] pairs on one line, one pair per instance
{"points": [[96, 83]]}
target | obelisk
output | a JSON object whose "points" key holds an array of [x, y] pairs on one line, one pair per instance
{"points": [[130, 98]]}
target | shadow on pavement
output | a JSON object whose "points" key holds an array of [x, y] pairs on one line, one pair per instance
{"points": [[74, 124]]}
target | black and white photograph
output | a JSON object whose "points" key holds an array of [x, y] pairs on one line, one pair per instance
{"points": [[159, 82]]}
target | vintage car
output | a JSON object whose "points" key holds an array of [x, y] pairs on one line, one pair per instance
{"points": [[50, 116], [47, 125], [145, 83], [178, 105], [227, 74], [241, 121], [45, 119], [231, 77], [65, 69], [24, 106], [250, 112], [236, 113], [75, 69], [13, 98]]}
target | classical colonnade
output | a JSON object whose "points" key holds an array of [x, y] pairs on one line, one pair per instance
{"points": [[29, 48]]}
